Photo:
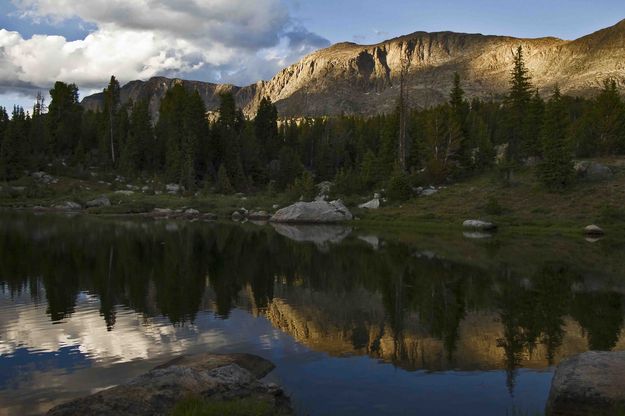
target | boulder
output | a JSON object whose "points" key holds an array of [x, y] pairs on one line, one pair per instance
{"points": [[101, 201], [313, 212], [593, 231], [237, 216], [173, 188], [429, 192], [373, 204], [68, 206], [191, 212], [208, 376], [479, 225], [592, 383], [592, 170]]}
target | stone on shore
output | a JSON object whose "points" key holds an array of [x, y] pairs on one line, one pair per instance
{"points": [[316, 212], [208, 376], [373, 204], [258, 216], [592, 170], [479, 225], [592, 383], [102, 201]]}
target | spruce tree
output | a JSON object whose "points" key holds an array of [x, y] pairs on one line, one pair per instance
{"points": [[14, 152], [517, 107], [112, 102], [64, 119], [609, 120], [556, 169], [266, 129]]}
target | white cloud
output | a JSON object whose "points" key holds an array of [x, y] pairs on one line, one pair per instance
{"points": [[237, 41]]}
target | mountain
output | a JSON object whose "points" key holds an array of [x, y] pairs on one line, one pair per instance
{"points": [[363, 79]]}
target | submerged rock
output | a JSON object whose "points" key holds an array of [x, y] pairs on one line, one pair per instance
{"points": [[479, 225], [209, 376], [592, 383], [313, 212]]}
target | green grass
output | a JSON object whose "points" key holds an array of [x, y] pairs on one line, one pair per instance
{"points": [[244, 407]]}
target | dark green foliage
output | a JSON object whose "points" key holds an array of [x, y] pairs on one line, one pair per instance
{"points": [[303, 187], [14, 148], [223, 181], [556, 169], [180, 132], [398, 189], [64, 119]]}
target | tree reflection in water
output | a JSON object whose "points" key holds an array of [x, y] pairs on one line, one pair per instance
{"points": [[397, 303]]}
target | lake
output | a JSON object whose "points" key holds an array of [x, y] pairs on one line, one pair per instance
{"points": [[357, 322]]}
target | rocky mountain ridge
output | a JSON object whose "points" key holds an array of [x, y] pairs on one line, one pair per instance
{"points": [[348, 78]]}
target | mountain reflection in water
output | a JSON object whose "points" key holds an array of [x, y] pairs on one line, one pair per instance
{"points": [[430, 303]]}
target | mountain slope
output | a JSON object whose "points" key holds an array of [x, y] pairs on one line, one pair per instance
{"points": [[363, 79]]}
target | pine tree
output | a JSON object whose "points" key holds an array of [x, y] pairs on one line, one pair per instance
{"points": [[231, 123], [517, 108], [112, 102], [13, 153], [64, 119], [609, 120], [266, 130], [556, 170]]}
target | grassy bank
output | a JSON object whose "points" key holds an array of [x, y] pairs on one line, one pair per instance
{"points": [[523, 207]]}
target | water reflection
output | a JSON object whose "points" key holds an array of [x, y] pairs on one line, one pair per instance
{"points": [[430, 304]]}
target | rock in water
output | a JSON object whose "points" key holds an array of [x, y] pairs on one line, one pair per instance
{"points": [[209, 376], [373, 204], [316, 212], [594, 231], [68, 206], [479, 225], [592, 383]]}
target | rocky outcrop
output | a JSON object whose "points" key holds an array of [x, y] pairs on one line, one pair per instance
{"points": [[316, 212], [209, 376], [592, 383], [347, 78]]}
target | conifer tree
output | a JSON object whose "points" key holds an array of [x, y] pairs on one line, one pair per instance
{"points": [[517, 107], [556, 169], [64, 119], [266, 129], [14, 150], [223, 181], [112, 102]]}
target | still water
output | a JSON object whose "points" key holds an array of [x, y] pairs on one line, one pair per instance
{"points": [[357, 323]]}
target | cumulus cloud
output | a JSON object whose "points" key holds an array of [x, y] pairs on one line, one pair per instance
{"points": [[238, 41]]}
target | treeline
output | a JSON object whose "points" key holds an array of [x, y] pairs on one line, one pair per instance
{"points": [[451, 141]]}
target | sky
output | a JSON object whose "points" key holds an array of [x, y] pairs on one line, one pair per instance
{"points": [[240, 41]]}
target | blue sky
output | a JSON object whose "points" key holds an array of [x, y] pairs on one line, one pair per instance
{"points": [[240, 41]]}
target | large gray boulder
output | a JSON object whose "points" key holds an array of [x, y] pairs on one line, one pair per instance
{"points": [[316, 212], [592, 383], [209, 376]]}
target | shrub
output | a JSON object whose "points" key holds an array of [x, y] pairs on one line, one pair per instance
{"points": [[398, 188]]}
